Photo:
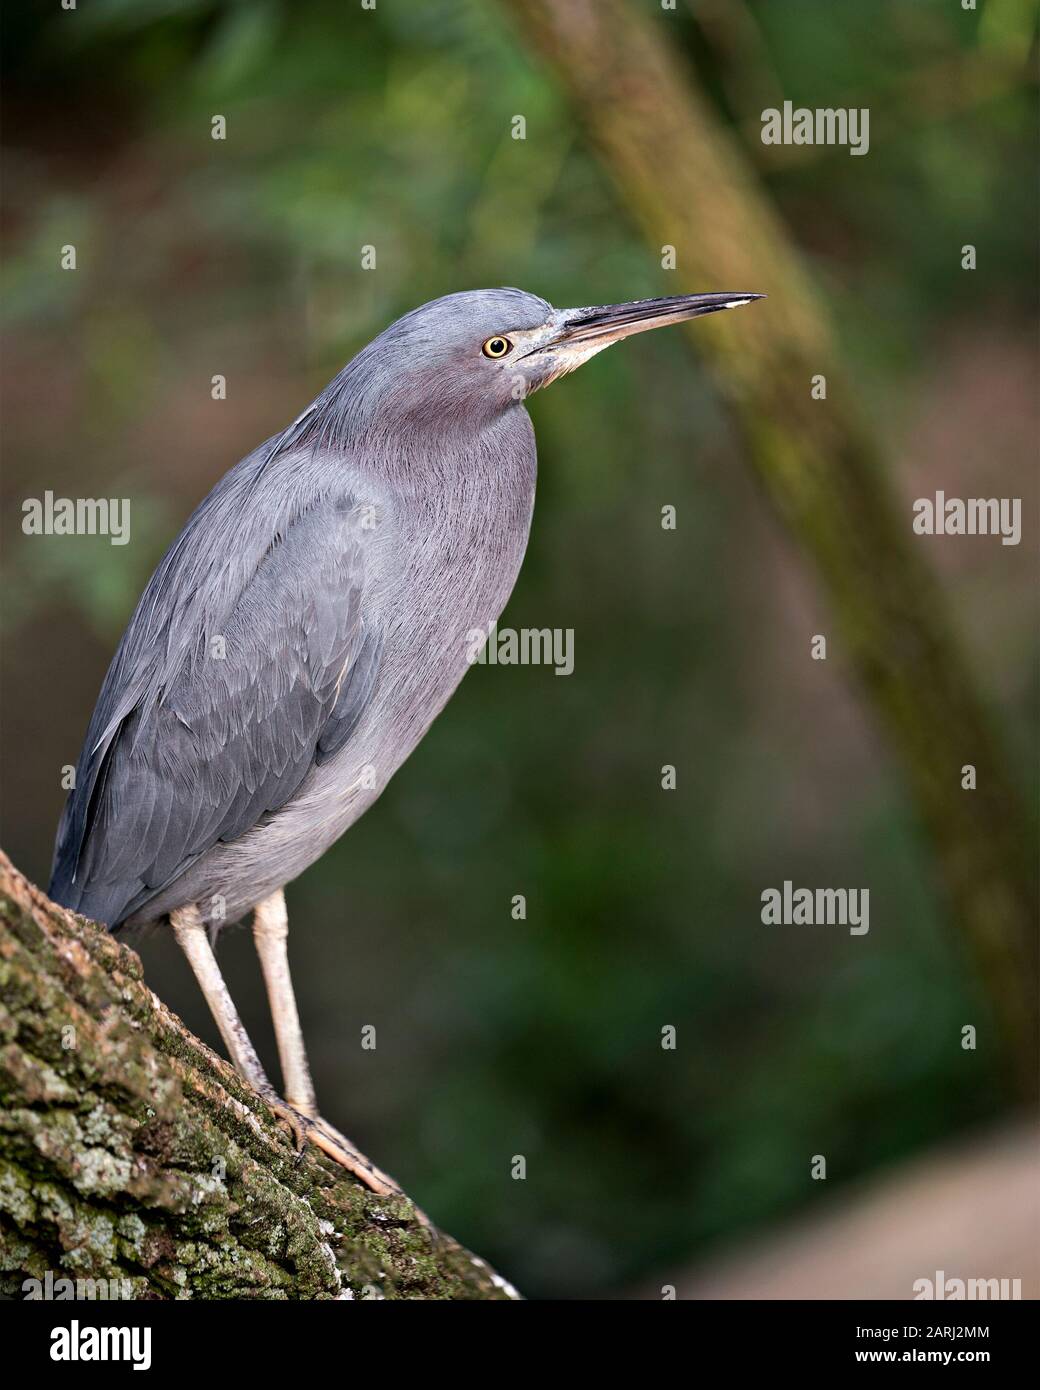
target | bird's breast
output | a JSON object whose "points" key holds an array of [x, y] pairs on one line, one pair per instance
{"points": [[451, 554], [462, 546]]}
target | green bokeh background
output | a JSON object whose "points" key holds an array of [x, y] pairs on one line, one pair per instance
{"points": [[496, 1037]]}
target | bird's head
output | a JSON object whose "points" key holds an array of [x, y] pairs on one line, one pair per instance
{"points": [[469, 356]]}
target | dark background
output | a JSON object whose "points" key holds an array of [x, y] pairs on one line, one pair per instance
{"points": [[242, 257]]}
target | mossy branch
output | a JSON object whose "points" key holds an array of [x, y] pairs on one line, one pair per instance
{"points": [[130, 1152], [688, 183]]}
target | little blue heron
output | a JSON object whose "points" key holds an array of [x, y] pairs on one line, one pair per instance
{"points": [[304, 630]]}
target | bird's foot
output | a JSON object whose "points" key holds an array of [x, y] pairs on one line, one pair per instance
{"points": [[306, 1130], [330, 1141], [296, 1123]]}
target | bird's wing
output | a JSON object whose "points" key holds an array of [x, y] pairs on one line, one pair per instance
{"points": [[212, 719]]}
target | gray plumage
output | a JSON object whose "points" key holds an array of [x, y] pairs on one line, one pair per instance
{"points": [[312, 618]]}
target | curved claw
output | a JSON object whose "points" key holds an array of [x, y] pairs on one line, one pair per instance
{"points": [[293, 1121], [321, 1134]]}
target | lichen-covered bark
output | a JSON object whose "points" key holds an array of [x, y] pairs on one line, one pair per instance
{"points": [[129, 1151], [688, 183]]}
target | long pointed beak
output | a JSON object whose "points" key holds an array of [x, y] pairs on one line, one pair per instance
{"points": [[602, 324]]}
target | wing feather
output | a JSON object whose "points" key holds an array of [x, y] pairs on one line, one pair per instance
{"points": [[230, 717]]}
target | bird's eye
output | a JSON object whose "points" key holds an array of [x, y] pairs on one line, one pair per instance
{"points": [[496, 347]]}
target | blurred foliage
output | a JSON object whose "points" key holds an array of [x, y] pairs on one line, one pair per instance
{"points": [[392, 128]]}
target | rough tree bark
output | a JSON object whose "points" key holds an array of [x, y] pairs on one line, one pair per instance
{"points": [[687, 181], [131, 1152]]}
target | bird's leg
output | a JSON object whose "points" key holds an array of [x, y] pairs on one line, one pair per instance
{"points": [[192, 938], [271, 935]]}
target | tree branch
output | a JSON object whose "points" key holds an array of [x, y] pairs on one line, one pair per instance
{"points": [[131, 1152]]}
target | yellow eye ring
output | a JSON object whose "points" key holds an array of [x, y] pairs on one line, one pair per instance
{"points": [[496, 346]]}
